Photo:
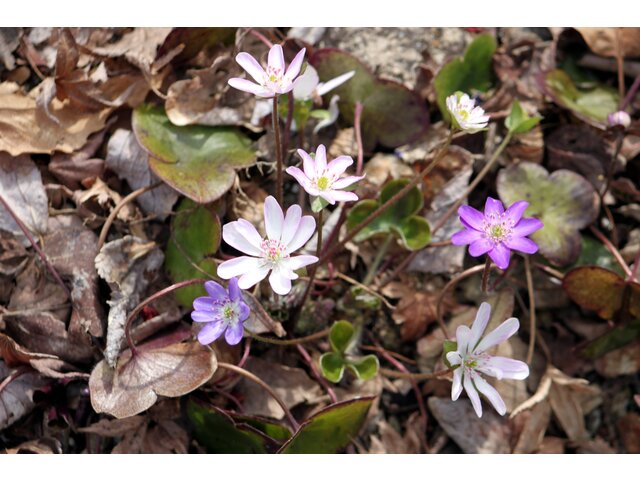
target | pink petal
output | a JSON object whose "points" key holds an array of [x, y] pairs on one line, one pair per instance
{"points": [[342, 196], [251, 66], [211, 332], [505, 330], [248, 86], [463, 334], [308, 164], [321, 160], [276, 59], [301, 178], [299, 261], [527, 226], [479, 324], [493, 206], [500, 255], [472, 216], [306, 228], [238, 266], [491, 393], [515, 211], [279, 282], [480, 247], [233, 335], [345, 182], [328, 196], [295, 65], [522, 244], [291, 222], [473, 395], [456, 388], [465, 237], [253, 276], [273, 218], [510, 368], [338, 165], [241, 237]]}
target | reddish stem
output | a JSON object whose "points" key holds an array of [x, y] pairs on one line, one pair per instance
{"points": [[316, 373], [356, 123]]}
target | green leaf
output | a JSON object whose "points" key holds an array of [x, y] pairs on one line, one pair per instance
{"points": [[332, 365], [195, 237], [473, 72], [565, 202], [268, 427], [318, 203], [218, 433], [593, 252], [616, 338], [415, 232], [365, 368], [392, 114], [331, 429], [448, 346], [590, 105], [408, 205], [200, 162], [520, 121], [341, 336]]}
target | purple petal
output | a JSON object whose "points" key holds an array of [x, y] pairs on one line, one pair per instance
{"points": [[472, 216], [500, 255], [242, 236], [522, 244], [473, 395], [465, 237], [306, 228], [338, 165], [238, 266], [479, 324], [273, 218], [527, 226], [291, 223], [250, 87], [480, 247], [491, 393], [253, 276], [203, 316], [234, 290], [308, 164], [456, 388], [502, 332], [251, 66], [215, 291], [321, 160], [203, 304], [493, 206], [515, 211], [346, 181], [279, 282], [295, 65], [244, 311], [233, 335], [276, 58], [211, 332], [509, 368]]}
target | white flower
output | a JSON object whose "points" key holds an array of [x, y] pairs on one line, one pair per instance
{"points": [[471, 359], [465, 114], [619, 118], [275, 80], [272, 254]]}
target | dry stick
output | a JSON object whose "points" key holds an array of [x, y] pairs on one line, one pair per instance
{"points": [[279, 165], [532, 309], [614, 251], [552, 272], [270, 391], [473, 184], [114, 213], [291, 341], [631, 93], [317, 374], [385, 206], [42, 255], [356, 123], [367, 289], [415, 376]]}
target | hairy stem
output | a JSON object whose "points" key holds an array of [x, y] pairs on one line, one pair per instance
{"points": [[316, 373], [279, 160], [413, 376], [614, 251], [291, 341], [485, 275], [532, 309], [314, 270]]}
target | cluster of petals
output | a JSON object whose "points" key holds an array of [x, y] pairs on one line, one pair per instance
{"points": [[322, 179], [619, 119], [285, 235], [465, 114], [471, 359]]}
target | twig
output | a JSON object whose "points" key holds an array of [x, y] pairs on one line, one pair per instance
{"points": [[291, 341], [114, 213], [552, 272], [399, 356], [367, 289], [35, 246], [631, 93], [614, 251], [532, 309], [357, 116], [415, 376], [485, 274], [317, 374], [250, 376]]}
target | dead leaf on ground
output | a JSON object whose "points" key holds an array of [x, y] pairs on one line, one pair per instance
{"points": [[134, 385], [606, 41], [74, 168], [623, 361], [40, 446], [389, 440], [532, 425], [629, 428], [13, 255], [16, 396], [415, 312]]}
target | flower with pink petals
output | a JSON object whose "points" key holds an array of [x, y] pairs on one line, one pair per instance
{"points": [[323, 180], [497, 231], [470, 359], [619, 119], [276, 80], [285, 235]]}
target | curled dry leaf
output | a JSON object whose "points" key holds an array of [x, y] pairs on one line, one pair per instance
{"points": [[623, 361], [134, 385], [74, 168], [40, 446], [607, 42], [16, 395]]}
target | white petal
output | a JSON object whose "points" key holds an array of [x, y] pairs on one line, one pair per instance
{"points": [[253, 276], [510, 368], [291, 222], [280, 283], [306, 84], [505, 330], [456, 388], [473, 395], [251, 66], [238, 266], [321, 160], [491, 393], [340, 196], [479, 324], [295, 65], [334, 112], [334, 82], [242, 237], [299, 261], [276, 59], [306, 228], [454, 358], [308, 164], [463, 334], [248, 86], [273, 218], [345, 182], [338, 165]]}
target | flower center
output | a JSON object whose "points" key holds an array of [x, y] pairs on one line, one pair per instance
{"points": [[464, 115], [273, 250], [497, 228], [229, 311], [274, 75], [323, 183]]}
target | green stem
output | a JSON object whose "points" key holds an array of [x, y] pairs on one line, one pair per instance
{"points": [[373, 268], [280, 161]]}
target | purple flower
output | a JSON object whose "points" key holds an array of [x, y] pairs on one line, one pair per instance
{"points": [[223, 312], [497, 231], [285, 235], [471, 359], [322, 179], [619, 118], [276, 80]]}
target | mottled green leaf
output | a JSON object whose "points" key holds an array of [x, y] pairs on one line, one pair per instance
{"points": [[365, 368], [341, 335], [415, 232], [332, 365], [519, 121]]}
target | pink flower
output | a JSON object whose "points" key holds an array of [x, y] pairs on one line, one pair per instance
{"points": [[275, 80], [497, 231], [619, 118], [320, 179], [471, 359], [285, 235]]}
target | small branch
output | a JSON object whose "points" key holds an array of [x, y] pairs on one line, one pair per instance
{"points": [[631, 93], [250, 376], [260, 37], [356, 124], [552, 272], [532, 309], [485, 275], [278, 145], [317, 374], [114, 213], [413, 376], [367, 289], [614, 251], [291, 341], [35, 246]]}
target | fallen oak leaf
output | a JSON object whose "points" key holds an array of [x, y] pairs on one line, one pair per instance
{"points": [[16, 393]]}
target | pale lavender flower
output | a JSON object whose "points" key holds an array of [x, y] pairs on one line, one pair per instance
{"points": [[465, 114], [470, 359], [497, 231], [309, 86], [619, 118], [320, 179], [272, 254], [276, 80], [223, 311]]}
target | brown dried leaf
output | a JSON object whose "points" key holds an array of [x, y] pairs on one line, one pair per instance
{"points": [[13, 255], [535, 423], [604, 41], [139, 46], [72, 169], [134, 385], [623, 361], [16, 396], [391, 441], [629, 428], [40, 446], [415, 312]]}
